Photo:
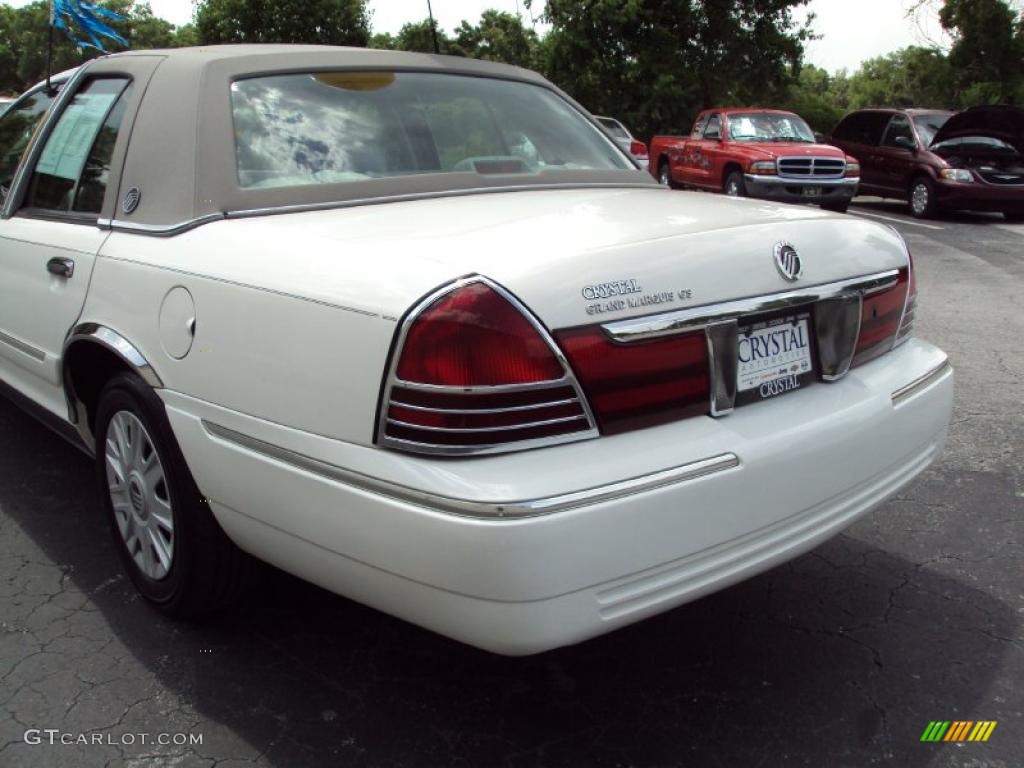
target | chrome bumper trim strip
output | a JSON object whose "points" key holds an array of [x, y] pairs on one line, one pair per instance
{"points": [[489, 510], [697, 318], [922, 382]]}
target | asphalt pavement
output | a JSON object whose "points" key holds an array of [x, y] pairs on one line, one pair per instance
{"points": [[840, 658]]}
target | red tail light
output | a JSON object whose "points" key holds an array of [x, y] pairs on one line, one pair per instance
{"points": [[636, 385], [881, 319], [638, 148], [475, 372]]}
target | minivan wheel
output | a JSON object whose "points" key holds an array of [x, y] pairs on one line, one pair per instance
{"points": [[922, 198], [176, 554]]}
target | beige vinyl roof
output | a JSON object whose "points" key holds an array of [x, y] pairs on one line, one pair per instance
{"points": [[180, 151]]}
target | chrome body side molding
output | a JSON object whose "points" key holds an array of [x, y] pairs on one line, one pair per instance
{"points": [[21, 346], [488, 510]]}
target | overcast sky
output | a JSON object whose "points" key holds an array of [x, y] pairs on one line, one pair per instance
{"points": [[851, 30]]}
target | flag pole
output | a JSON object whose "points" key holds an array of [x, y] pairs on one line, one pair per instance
{"points": [[433, 27], [49, 50]]}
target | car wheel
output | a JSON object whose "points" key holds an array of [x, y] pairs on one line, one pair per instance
{"points": [[1014, 217], [836, 207], [922, 198], [164, 532], [734, 185]]}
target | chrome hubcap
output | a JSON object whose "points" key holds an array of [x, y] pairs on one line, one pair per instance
{"points": [[139, 495], [919, 198]]}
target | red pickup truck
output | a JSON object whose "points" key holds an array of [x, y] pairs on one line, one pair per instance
{"points": [[763, 153]]}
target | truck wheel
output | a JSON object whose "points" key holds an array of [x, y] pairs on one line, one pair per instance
{"points": [[664, 175], [734, 185], [168, 540], [922, 198]]}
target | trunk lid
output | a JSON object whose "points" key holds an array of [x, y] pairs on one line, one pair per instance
{"points": [[573, 256]]}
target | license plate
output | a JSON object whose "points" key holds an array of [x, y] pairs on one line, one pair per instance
{"points": [[774, 357], [812, 191]]}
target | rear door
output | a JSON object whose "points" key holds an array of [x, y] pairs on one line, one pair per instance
{"points": [[701, 151], [683, 162], [859, 134], [49, 233]]}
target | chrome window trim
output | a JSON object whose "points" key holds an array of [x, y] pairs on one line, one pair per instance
{"points": [[921, 382], [496, 511], [391, 381], [698, 318], [477, 430]]}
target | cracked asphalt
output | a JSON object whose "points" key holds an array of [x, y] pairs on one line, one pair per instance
{"points": [[840, 658]]}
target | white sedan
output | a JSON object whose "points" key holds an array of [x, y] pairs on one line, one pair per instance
{"points": [[415, 329]]}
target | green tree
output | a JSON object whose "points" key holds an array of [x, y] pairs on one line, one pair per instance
{"points": [[821, 99], [910, 77], [500, 37], [417, 36], [329, 22], [656, 63], [987, 55]]}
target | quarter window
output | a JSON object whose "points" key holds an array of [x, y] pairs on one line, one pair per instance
{"points": [[16, 129], [72, 172]]}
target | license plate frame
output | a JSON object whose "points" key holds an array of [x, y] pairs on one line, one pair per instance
{"points": [[759, 378], [811, 191]]}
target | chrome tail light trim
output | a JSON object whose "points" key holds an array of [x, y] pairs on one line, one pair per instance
{"points": [[588, 424]]}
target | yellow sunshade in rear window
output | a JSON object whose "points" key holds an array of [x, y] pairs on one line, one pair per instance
{"points": [[356, 81]]}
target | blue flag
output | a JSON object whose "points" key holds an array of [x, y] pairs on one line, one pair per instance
{"points": [[87, 18]]}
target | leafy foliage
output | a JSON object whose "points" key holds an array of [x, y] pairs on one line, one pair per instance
{"points": [[325, 22]]}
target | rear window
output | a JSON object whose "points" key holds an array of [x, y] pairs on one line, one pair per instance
{"points": [[336, 127], [613, 127]]}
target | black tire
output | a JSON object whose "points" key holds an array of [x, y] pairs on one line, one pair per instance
{"points": [[1016, 218], [206, 571], [734, 185], [836, 207], [665, 175], [921, 196]]}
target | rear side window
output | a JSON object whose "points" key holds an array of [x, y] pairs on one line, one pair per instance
{"points": [[862, 128], [698, 127], [16, 129], [72, 172], [714, 129]]}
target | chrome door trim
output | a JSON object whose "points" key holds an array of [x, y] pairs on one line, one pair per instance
{"points": [[698, 318], [487, 510]]}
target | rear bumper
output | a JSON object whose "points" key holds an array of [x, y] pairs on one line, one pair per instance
{"points": [[806, 465], [980, 196], [793, 190]]}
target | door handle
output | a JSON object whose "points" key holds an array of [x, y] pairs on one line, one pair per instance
{"points": [[61, 266]]}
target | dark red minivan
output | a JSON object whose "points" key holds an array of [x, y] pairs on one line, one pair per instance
{"points": [[936, 160]]}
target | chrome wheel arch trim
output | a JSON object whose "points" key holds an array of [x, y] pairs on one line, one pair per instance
{"points": [[496, 511], [112, 341]]}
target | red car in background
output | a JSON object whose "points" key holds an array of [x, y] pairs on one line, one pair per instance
{"points": [[766, 153]]}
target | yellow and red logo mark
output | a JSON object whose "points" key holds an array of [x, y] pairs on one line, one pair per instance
{"points": [[958, 730]]}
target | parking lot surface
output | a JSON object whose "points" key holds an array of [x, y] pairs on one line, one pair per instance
{"points": [[840, 658]]}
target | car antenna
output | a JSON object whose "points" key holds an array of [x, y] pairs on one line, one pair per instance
{"points": [[49, 49], [433, 27]]}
